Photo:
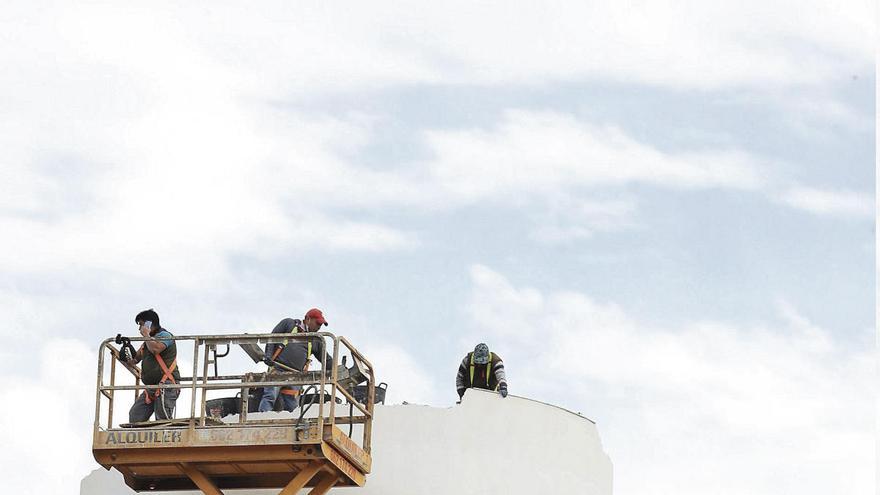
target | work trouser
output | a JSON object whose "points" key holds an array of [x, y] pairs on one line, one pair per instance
{"points": [[163, 406], [271, 393]]}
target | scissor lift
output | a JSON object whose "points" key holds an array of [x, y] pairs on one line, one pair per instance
{"points": [[211, 454]]}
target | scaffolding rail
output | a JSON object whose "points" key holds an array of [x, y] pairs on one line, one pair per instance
{"points": [[207, 452]]}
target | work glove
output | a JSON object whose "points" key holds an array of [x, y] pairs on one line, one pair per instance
{"points": [[124, 354], [268, 361], [502, 389]]}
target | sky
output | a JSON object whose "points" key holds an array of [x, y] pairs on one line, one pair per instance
{"points": [[659, 214]]}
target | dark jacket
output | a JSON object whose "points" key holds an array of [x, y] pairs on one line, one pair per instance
{"points": [[486, 376], [295, 353]]}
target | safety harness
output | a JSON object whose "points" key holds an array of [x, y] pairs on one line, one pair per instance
{"points": [[488, 369], [288, 390], [281, 348], [167, 374]]}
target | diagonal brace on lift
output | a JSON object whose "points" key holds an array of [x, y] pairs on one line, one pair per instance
{"points": [[301, 479], [327, 482], [203, 482]]}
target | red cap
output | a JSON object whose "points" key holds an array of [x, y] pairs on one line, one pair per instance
{"points": [[316, 314]]}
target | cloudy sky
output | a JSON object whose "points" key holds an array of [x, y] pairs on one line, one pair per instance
{"points": [[660, 214]]}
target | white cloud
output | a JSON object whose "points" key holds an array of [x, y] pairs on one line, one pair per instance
{"points": [[549, 158], [569, 175], [47, 419], [407, 378], [569, 219], [126, 116], [285, 51], [542, 152], [830, 202], [818, 118], [155, 161], [688, 44], [719, 399]]}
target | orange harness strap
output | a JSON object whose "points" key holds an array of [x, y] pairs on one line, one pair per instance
{"points": [[286, 390], [277, 352], [281, 348], [168, 374]]}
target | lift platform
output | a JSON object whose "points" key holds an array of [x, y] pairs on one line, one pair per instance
{"points": [[309, 448]]}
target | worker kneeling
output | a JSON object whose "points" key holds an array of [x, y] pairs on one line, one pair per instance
{"points": [[159, 355], [293, 356], [481, 369]]}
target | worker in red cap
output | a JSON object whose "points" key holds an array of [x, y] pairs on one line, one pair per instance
{"points": [[294, 355]]}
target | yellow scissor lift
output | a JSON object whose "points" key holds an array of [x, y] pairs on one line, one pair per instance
{"points": [[209, 453]]}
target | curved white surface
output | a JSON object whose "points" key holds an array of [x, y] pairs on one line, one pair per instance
{"points": [[484, 445]]}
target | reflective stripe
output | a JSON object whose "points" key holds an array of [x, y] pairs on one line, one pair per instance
{"points": [[308, 358], [281, 348], [308, 352]]}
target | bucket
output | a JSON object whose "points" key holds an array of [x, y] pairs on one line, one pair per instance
{"points": [[360, 393], [218, 408], [315, 398], [254, 398]]}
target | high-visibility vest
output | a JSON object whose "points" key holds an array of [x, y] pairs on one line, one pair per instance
{"points": [[488, 369], [280, 348]]}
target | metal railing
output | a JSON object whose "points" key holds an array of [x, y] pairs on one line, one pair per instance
{"points": [[337, 382]]}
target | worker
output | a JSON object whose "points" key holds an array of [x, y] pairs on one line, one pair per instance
{"points": [[481, 369], [159, 355], [293, 355]]}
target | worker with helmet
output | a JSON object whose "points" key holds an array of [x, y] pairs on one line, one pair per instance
{"points": [[481, 369], [293, 355]]}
